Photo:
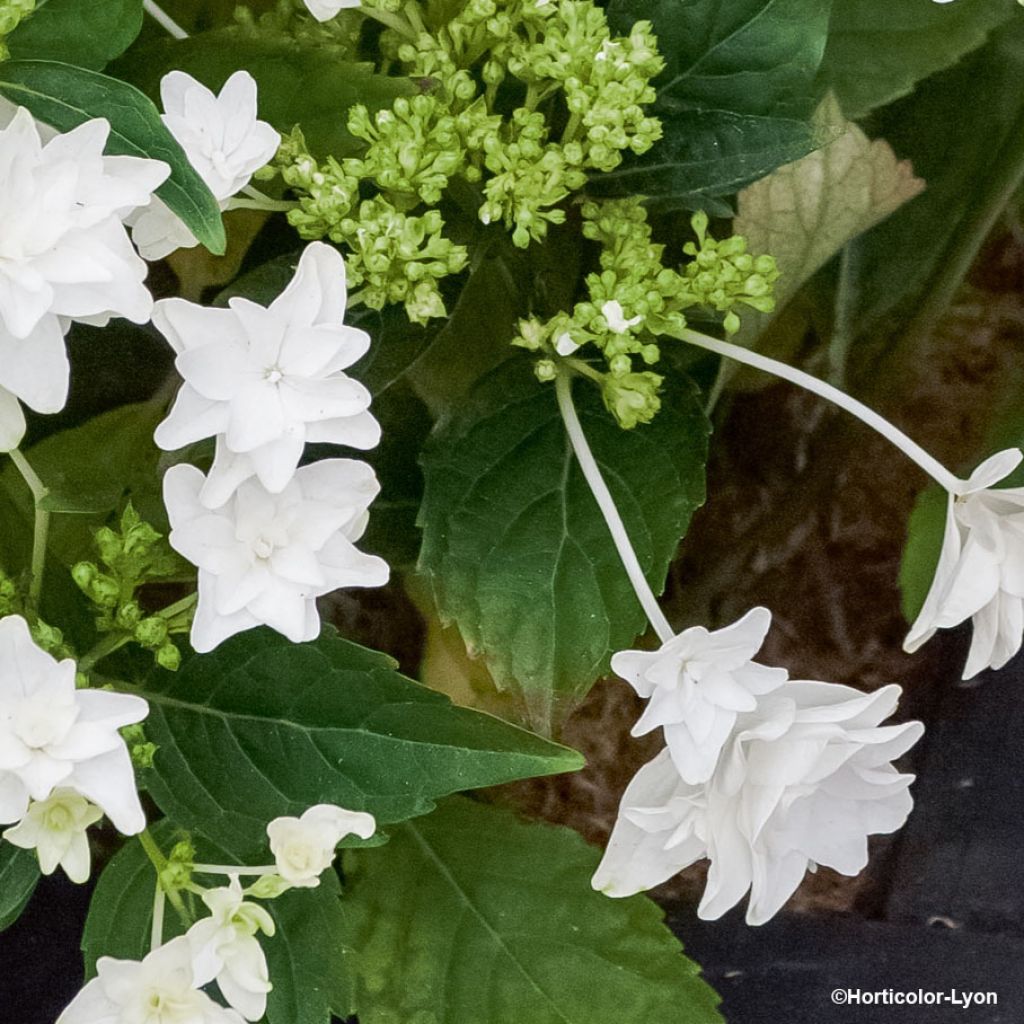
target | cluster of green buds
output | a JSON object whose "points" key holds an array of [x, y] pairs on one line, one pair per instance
{"points": [[634, 297], [132, 556], [12, 13], [49, 638], [139, 746]]}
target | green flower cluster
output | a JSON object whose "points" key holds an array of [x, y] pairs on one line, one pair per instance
{"points": [[520, 101], [633, 297], [12, 13], [132, 556]]}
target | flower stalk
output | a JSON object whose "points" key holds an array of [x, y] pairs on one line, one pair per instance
{"points": [[41, 527], [163, 19]]}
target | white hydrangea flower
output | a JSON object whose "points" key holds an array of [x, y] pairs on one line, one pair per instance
{"points": [[264, 558], [52, 734], [161, 989], [224, 141], [980, 574], [267, 380], [804, 779], [56, 829], [64, 255], [225, 949], [303, 847], [614, 314], [324, 10], [696, 684]]}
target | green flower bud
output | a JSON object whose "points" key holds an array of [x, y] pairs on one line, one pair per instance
{"points": [[268, 887], [169, 657], [151, 632], [545, 370], [128, 615], [632, 399]]}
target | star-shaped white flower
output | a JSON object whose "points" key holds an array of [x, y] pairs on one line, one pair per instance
{"points": [[804, 779], [266, 381], [52, 734], [303, 847], [980, 573], [225, 949], [161, 989], [56, 829], [264, 558], [64, 255], [324, 10], [224, 141], [696, 684]]}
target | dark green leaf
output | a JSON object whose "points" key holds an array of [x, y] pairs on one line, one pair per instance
{"points": [[735, 98], [19, 873], [88, 34], [306, 956], [877, 50], [515, 547], [471, 916], [64, 97], [300, 82], [264, 727]]}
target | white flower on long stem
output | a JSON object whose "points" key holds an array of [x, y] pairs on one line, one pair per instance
{"points": [[303, 847], [224, 141], [56, 829], [324, 10], [267, 380], [52, 734], [696, 684], [161, 989], [64, 255], [225, 949], [980, 573], [264, 558], [804, 779]]}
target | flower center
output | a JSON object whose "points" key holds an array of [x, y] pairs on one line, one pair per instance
{"points": [[273, 375], [59, 818], [39, 722], [263, 547]]}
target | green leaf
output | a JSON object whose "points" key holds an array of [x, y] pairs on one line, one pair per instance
{"points": [[263, 727], [300, 82], [735, 98], [877, 50], [470, 915], [515, 547], [87, 34], [307, 956], [64, 97], [921, 553], [19, 873]]}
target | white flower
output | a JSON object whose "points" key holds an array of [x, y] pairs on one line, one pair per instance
{"points": [[564, 345], [696, 684], [266, 381], [980, 574], [158, 990], [324, 10], [304, 847], [264, 558], [52, 734], [56, 829], [64, 255], [224, 141], [803, 780], [615, 316], [225, 949]]}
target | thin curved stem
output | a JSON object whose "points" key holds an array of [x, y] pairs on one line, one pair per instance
{"points": [[41, 527], [592, 474], [159, 902], [942, 476], [163, 19], [228, 869]]}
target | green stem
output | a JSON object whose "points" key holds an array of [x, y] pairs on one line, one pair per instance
{"points": [[265, 203], [159, 862], [115, 641], [157, 934], [41, 528], [164, 20], [228, 869]]}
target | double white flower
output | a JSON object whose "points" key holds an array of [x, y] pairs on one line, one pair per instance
{"points": [[60, 754], [304, 847], [224, 141], [980, 573], [804, 779], [64, 255]]}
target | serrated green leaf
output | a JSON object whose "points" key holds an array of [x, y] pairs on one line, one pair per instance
{"points": [[514, 545], [735, 98], [19, 873], [877, 50], [470, 916], [65, 96], [263, 727], [307, 957], [89, 35], [300, 82]]}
